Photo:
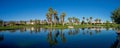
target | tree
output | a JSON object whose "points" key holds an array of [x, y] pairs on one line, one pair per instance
{"points": [[90, 20], [62, 18], [83, 21], [22, 22], [99, 21], [1, 22], [37, 21], [45, 22], [48, 17], [87, 21], [73, 19], [96, 20], [11, 23], [55, 17], [76, 20], [116, 16], [50, 10], [107, 22], [31, 20], [70, 20]]}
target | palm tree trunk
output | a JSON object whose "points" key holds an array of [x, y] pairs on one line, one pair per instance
{"points": [[51, 24], [63, 23]]}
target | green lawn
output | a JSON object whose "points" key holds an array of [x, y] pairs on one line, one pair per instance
{"points": [[57, 26]]}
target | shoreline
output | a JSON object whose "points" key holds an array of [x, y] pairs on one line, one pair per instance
{"points": [[57, 26]]}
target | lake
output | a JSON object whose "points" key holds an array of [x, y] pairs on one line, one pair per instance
{"points": [[32, 37]]}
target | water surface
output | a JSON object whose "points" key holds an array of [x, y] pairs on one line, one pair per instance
{"points": [[93, 37]]}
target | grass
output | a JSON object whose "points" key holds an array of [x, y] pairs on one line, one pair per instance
{"points": [[57, 26]]}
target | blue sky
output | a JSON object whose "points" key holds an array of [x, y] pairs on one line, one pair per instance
{"points": [[36, 9]]}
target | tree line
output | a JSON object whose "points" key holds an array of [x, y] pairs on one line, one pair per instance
{"points": [[52, 18]]}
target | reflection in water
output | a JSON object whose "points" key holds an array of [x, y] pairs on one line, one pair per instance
{"points": [[55, 36], [12, 30], [1, 37], [22, 29], [62, 36], [97, 30], [116, 44]]}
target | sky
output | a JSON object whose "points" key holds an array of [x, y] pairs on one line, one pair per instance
{"points": [[17, 10]]}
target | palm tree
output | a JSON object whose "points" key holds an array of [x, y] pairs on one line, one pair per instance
{"points": [[76, 20], [83, 20], [35, 21], [107, 22], [11, 23], [50, 10], [45, 22], [48, 17], [55, 17], [73, 18], [90, 20], [31, 21], [22, 22], [96, 20], [87, 21], [62, 18], [70, 20], [1, 22], [38, 22], [99, 21]]}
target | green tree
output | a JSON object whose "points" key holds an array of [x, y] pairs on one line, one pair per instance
{"points": [[99, 21], [87, 21], [70, 20], [22, 22], [1, 22], [55, 17], [45, 22], [116, 16], [73, 19], [76, 20], [107, 22], [96, 20], [50, 11], [11, 23], [62, 16], [48, 17], [83, 21], [31, 20], [37, 22], [91, 20]]}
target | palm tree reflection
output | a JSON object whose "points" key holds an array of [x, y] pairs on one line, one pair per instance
{"points": [[52, 40], [70, 31], [73, 31], [62, 36], [97, 30], [49, 37], [22, 29], [83, 31], [52, 37]]}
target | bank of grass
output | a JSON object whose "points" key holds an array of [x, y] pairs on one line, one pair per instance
{"points": [[57, 26]]}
